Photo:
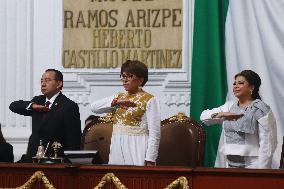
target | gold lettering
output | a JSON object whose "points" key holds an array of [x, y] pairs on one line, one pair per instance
{"points": [[110, 38], [141, 16], [154, 18], [93, 16], [80, 20], [114, 59], [73, 59], [120, 39], [130, 19], [151, 53], [176, 18], [135, 55], [155, 58], [138, 35], [103, 18], [81, 59], [64, 61], [177, 54], [166, 14], [112, 18], [68, 17], [147, 38], [129, 39], [125, 56], [149, 18], [163, 59], [104, 38], [96, 58], [96, 38], [117, 0], [144, 56], [105, 62], [156, 14]]}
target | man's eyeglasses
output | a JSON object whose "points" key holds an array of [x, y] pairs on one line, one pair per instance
{"points": [[46, 80], [127, 76]]}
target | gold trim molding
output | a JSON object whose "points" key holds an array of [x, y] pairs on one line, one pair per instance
{"points": [[37, 176], [181, 182], [180, 117], [108, 178]]}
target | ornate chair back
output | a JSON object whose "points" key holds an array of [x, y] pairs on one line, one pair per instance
{"points": [[182, 142], [97, 136]]}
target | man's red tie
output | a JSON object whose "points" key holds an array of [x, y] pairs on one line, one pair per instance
{"points": [[47, 103]]}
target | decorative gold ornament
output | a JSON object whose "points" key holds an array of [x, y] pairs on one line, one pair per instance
{"points": [[36, 177], [56, 146], [40, 150], [39, 176], [106, 119], [110, 177], [180, 117], [181, 181]]}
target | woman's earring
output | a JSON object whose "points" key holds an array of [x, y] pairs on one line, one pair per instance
{"points": [[251, 92]]}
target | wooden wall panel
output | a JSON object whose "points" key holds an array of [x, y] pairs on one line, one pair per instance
{"points": [[87, 177]]}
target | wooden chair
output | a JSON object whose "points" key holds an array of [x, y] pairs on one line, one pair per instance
{"points": [[97, 136], [182, 142]]}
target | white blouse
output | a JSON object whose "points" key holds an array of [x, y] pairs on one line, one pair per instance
{"points": [[261, 144], [132, 145]]}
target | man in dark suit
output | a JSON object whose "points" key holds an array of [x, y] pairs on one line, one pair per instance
{"points": [[6, 149], [54, 116]]}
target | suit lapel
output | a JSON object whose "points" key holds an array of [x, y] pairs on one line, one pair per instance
{"points": [[57, 102]]}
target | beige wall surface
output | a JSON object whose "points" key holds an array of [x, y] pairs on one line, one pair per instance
{"points": [[103, 34]]}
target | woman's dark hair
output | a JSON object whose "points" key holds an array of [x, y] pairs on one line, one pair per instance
{"points": [[137, 68], [2, 139], [253, 79]]}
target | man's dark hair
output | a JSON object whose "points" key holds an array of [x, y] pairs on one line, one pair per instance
{"points": [[137, 68], [58, 74]]}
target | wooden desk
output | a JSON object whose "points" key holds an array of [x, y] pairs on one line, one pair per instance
{"points": [[238, 178], [87, 177]]}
